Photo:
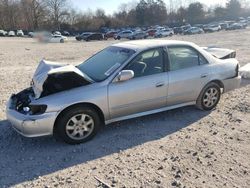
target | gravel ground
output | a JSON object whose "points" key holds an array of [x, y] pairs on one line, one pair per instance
{"points": [[179, 148]]}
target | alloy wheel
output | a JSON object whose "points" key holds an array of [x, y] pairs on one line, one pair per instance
{"points": [[80, 126]]}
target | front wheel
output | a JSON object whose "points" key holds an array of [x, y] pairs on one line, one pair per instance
{"points": [[77, 125], [209, 97]]}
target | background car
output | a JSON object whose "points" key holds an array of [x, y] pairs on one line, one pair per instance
{"points": [[235, 26], [3, 33], [178, 30], [50, 38], [111, 34], [95, 36], [19, 33], [123, 35], [82, 36], [138, 35], [186, 27], [212, 28], [164, 33], [11, 33], [57, 33], [31, 34], [224, 25], [66, 33], [151, 32], [193, 30]]}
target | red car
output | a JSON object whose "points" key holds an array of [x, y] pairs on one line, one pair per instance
{"points": [[151, 32], [110, 34]]}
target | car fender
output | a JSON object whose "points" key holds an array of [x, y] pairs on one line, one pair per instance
{"points": [[95, 94]]}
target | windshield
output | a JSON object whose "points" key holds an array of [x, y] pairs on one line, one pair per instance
{"points": [[104, 63]]}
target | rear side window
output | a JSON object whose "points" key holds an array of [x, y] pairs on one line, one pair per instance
{"points": [[184, 57]]}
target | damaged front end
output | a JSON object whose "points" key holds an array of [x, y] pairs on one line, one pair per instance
{"points": [[27, 115], [49, 78], [22, 103]]}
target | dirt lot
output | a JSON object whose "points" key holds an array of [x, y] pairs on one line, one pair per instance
{"points": [[179, 148]]}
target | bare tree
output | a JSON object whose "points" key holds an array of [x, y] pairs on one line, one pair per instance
{"points": [[58, 11], [34, 12], [9, 13]]}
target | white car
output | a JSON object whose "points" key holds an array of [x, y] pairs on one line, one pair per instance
{"points": [[53, 38], [32, 34], [57, 33], [3, 33], [19, 33], [212, 28], [11, 34], [164, 33], [123, 34]]}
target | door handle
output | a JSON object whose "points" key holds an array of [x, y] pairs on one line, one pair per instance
{"points": [[204, 75], [160, 84]]}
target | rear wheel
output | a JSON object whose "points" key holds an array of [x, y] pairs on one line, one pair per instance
{"points": [[77, 125], [61, 41], [209, 97]]}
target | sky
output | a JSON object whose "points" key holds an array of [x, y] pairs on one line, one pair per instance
{"points": [[110, 6]]}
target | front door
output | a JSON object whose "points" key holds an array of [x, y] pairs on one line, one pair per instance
{"points": [[146, 91]]}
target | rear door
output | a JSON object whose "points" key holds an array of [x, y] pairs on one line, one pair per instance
{"points": [[146, 91], [188, 74]]}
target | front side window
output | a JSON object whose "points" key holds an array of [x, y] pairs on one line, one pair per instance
{"points": [[147, 63], [103, 64], [182, 57]]}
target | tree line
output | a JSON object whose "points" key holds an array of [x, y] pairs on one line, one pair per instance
{"points": [[58, 14]]}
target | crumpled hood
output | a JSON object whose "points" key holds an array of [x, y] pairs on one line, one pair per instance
{"points": [[52, 77]]}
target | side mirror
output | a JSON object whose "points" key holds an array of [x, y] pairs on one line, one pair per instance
{"points": [[125, 75]]}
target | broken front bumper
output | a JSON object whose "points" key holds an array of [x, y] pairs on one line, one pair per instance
{"points": [[231, 84], [31, 125]]}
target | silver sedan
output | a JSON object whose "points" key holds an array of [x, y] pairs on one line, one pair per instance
{"points": [[123, 81]]}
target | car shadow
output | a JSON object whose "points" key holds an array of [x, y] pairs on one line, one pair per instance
{"points": [[24, 159]]}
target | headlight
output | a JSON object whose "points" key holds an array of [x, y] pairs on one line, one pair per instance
{"points": [[37, 109]]}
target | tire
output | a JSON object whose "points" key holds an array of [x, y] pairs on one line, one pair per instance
{"points": [[209, 97], [61, 41], [77, 125], [119, 38]]}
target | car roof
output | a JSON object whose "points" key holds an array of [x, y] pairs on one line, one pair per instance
{"points": [[145, 44]]}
